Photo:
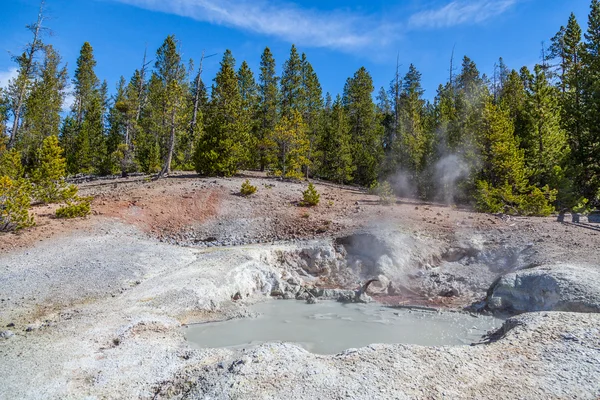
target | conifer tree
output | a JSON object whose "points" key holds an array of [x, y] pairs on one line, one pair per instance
{"points": [[586, 142], [290, 146], [503, 175], [19, 88], [117, 123], [222, 149], [471, 97], [365, 130], [248, 117], [89, 112], [336, 151], [412, 146], [313, 104], [172, 76], [68, 142], [132, 107], [292, 89], [147, 143], [546, 143], [85, 82], [384, 109], [198, 107], [51, 168], [268, 93], [41, 116]]}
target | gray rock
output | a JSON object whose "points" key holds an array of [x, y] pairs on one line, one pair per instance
{"points": [[547, 288], [6, 334]]}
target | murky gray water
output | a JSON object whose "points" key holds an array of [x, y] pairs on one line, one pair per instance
{"points": [[331, 327]]}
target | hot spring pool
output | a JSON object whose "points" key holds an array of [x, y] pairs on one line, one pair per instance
{"points": [[330, 327]]}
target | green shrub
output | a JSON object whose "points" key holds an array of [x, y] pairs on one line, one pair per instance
{"points": [[538, 201], [532, 201], [48, 177], [80, 208], [310, 197], [386, 193], [14, 205], [247, 189], [373, 188], [487, 199], [582, 206]]}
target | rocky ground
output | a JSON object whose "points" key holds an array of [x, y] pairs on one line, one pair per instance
{"points": [[94, 308]]}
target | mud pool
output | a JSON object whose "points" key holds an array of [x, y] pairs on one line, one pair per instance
{"points": [[330, 327]]}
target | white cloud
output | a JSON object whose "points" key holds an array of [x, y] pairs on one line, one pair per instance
{"points": [[460, 12], [342, 30], [6, 76]]}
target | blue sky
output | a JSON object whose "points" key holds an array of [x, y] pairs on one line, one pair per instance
{"points": [[338, 36]]}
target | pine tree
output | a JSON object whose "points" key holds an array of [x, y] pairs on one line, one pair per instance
{"points": [[51, 168], [85, 82], [546, 143], [172, 76], [501, 73], [147, 142], [335, 146], [117, 129], [471, 97], [248, 118], [268, 92], [68, 141], [586, 150], [412, 146], [222, 149], [89, 112], [384, 110], [513, 99], [290, 146], [503, 175], [366, 131], [198, 105], [292, 90], [313, 104], [20, 87], [41, 116]]}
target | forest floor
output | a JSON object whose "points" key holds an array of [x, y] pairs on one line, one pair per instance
{"points": [[94, 307]]}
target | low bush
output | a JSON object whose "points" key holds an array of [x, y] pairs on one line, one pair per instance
{"points": [[385, 193], [310, 197], [80, 208], [247, 189]]}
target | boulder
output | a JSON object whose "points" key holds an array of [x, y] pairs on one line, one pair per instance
{"points": [[547, 288]]}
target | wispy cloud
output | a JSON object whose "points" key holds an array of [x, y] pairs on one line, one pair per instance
{"points": [[6, 76], [460, 12], [343, 30]]}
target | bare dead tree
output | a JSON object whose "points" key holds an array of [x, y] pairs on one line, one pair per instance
{"points": [[27, 63]]}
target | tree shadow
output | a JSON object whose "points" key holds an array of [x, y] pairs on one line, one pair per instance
{"points": [[583, 225]]}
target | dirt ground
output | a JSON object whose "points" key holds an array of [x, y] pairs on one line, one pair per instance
{"points": [[188, 210]]}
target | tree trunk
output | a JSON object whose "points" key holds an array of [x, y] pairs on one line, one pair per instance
{"points": [[167, 167]]}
